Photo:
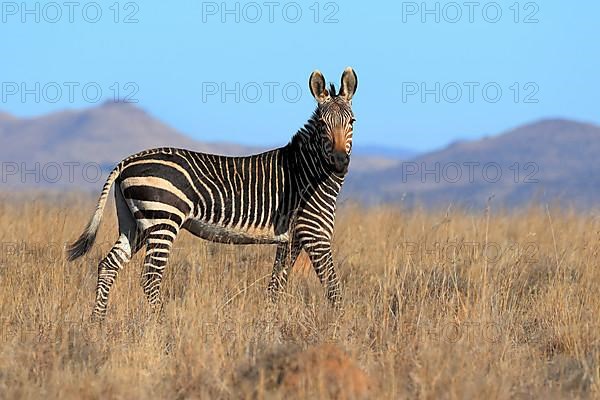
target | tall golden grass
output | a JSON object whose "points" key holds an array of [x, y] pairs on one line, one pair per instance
{"points": [[449, 304]]}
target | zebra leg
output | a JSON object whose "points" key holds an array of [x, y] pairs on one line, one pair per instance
{"points": [[108, 269], [117, 257], [322, 261], [158, 248], [281, 269]]}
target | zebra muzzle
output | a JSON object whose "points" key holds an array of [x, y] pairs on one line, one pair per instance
{"points": [[340, 161]]}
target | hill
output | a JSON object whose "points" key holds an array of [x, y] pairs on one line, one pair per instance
{"points": [[546, 161]]}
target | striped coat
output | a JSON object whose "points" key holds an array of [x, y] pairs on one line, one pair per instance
{"points": [[285, 197]]}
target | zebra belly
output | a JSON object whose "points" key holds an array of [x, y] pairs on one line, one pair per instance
{"points": [[220, 234]]}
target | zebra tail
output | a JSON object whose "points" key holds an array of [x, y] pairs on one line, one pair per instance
{"points": [[85, 242]]}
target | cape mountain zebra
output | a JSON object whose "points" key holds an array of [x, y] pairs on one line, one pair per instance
{"points": [[285, 196]]}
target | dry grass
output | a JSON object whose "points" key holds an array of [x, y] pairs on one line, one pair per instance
{"points": [[437, 305]]}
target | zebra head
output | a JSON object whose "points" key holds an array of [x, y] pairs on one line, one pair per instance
{"points": [[334, 118]]}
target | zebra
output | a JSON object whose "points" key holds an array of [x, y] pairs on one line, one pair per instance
{"points": [[284, 197]]}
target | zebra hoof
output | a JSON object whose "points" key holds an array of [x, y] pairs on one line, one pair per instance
{"points": [[157, 312], [96, 318], [273, 295], [335, 302]]}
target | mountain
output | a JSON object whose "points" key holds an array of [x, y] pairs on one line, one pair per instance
{"points": [[373, 158], [6, 116], [101, 135], [391, 153], [545, 161], [104, 134]]}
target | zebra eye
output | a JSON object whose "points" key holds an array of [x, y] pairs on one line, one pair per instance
{"points": [[352, 121]]}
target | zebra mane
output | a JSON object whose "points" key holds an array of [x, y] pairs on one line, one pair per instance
{"points": [[332, 91], [302, 136]]}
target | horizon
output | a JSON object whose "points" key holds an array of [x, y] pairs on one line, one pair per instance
{"points": [[359, 145]]}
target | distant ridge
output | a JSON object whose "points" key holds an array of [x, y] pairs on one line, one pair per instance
{"points": [[6, 116], [103, 134], [547, 160]]}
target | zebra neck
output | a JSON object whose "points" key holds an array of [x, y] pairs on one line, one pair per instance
{"points": [[308, 169]]}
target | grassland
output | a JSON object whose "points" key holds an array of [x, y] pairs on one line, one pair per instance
{"points": [[448, 304]]}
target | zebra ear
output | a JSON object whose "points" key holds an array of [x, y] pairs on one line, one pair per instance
{"points": [[316, 82], [349, 84]]}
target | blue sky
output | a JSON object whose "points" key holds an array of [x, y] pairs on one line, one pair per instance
{"points": [[422, 83]]}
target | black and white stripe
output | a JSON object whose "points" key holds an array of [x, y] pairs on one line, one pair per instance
{"points": [[285, 196]]}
